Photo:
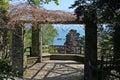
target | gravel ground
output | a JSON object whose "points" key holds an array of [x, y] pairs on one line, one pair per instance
{"points": [[55, 70]]}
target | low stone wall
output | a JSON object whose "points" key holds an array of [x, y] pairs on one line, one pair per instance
{"points": [[31, 60], [75, 57], [46, 57]]}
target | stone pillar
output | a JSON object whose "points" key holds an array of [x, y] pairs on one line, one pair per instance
{"points": [[40, 43], [91, 53], [37, 42], [18, 49], [90, 47], [117, 46]]}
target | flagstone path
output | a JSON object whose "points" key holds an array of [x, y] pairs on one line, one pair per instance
{"points": [[55, 70]]}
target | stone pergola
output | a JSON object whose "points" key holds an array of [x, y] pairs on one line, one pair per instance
{"points": [[25, 13], [28, 14]]}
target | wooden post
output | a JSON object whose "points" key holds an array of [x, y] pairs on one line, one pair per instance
{"points": [[18, 49]]}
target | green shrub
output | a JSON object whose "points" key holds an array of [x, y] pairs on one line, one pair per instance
{"points": [[6, 71]]}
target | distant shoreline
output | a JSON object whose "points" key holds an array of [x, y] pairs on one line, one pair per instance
{"points": [[63, 29]]}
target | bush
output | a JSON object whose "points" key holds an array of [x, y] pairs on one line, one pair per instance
{"points": [[6, 71]]}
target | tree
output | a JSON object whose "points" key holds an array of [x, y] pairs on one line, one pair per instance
{"points": [[105, 38], [73, 40], [70, 38], [48, 34], [4, 4], [107, 10], [37, 2], [3, 29]]}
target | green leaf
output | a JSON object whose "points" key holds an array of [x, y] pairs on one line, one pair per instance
{"points": [[37, 2], [57, 2], [4, 4]]}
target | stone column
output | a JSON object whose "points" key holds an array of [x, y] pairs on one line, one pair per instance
{"points": [[91, 47], [91, 53], [18, 49], [117, 46], [40, 43], [37, 42]]}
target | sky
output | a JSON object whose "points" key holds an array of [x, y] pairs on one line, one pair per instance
{"points": [[63, 5]]}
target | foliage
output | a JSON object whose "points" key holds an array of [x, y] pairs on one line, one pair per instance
{"points": [[3, 12], [3, 30], [34, 2], [4, 4], [85, 9], [37, 2], [109, 10], [28, 37], [97, 12], [3, 20], [73, 39], [106, 10], [105, 38], [70, 38], [6, 71], [48, 34]]}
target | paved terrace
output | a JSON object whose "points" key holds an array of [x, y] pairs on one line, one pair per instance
{"points": [[55, 70]]}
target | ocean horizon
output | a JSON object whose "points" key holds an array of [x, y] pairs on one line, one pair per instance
{"points": [[63, 29]]}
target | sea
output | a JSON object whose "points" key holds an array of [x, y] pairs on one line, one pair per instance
{"points": [[63, 30]]}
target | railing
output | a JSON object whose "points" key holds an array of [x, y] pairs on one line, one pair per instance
{"points": [[62, 49], [45, 48], [59, 49]]}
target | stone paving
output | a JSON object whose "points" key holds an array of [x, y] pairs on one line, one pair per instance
{"points": [[55, 70]]}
